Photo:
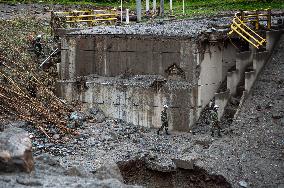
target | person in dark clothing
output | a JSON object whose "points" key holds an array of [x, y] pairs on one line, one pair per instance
{"points": [[37, 45], [164, 120], [215, 125]]}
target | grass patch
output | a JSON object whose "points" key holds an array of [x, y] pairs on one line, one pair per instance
{"points": [[192, 7]]}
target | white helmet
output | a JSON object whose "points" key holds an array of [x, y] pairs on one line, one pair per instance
{"points": [[166, 106], [216, 106]]}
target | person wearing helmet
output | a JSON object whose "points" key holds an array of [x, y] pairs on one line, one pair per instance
{"points": [[215, 121], [37, 45], [164, 120]]}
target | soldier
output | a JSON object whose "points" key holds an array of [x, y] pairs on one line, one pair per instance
{"points": [[214, 121], [164, 119], [37, 45]]}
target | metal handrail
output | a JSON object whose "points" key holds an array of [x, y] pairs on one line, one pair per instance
{"points": [[246, 32]]}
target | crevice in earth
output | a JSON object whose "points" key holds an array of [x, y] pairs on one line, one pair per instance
{"points": [[135, 172]]}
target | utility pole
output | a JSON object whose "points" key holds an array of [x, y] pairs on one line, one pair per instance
{"points": [[138, 10], [162, 8]]}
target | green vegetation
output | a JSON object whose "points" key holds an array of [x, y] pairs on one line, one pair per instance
{"points": [[192, 7]]}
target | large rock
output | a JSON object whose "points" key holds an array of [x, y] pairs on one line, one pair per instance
{"points": [[15, 151], [109, 171]]}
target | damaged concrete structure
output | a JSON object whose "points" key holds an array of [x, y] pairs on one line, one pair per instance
{"points": [[131, 75]]}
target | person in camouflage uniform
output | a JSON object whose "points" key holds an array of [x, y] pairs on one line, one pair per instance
{"points": [[215, 121], [164, 119], [37, 45]]}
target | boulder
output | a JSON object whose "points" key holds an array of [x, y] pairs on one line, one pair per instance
{"points": [[108, 171], [15, 151], [97, 114], [187, 161]]}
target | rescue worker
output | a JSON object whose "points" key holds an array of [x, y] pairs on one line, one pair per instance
{"points": [[215, 125], [37, 45], [164, 120]]}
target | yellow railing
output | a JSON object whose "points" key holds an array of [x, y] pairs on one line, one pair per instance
{"points": [[257, 16], [90, 17], [240, 27]]}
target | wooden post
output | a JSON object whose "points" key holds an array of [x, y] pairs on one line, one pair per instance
{"points": [[269, 19], [257, 20]]}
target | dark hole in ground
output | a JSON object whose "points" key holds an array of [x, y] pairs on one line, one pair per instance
{"points": [[135, 172]]}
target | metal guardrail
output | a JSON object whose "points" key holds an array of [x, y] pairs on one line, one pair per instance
{"points": [[90, 17], [240, 27]]}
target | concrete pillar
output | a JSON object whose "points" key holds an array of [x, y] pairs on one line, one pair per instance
{"points": [[171, 6], [138, 10], [183, 7], [154, 6], [162, 8], [120, 11], [147, 6], [127, 16]]}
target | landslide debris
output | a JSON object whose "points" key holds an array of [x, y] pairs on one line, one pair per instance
{"points": [[26, 91]]}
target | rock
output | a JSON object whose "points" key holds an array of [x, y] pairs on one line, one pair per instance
{"points": [[15, 151], [185, 163], [78, 116], [1, 127], [56, 136], [277, 115], [107, 171], [111, 183], [97, 114], [48, 159], [161, 165], [243, 183], [28, 182], [73, 171]]}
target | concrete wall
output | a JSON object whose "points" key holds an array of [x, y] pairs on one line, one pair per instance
{"points": [[221, 99], [272, 38], [134, 103], [233, 79], [250, 78], [117, 55], [204, 68], [228, 59], [210, 76], [243, 59]]}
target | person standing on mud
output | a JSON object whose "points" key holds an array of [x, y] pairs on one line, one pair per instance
{"points": [[164, 119], [215, 125]]}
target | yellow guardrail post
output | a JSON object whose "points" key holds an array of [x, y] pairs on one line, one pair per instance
{"points": [[257, 20], [269, 19]]}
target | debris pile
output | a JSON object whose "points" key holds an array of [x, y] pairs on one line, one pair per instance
{"points": [[26, 91]]}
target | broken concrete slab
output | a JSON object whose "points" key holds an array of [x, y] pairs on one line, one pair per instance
{"points": [[186, 162]]}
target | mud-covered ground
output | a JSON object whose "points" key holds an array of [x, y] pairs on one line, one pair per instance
{"points": [[250, 152]]}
